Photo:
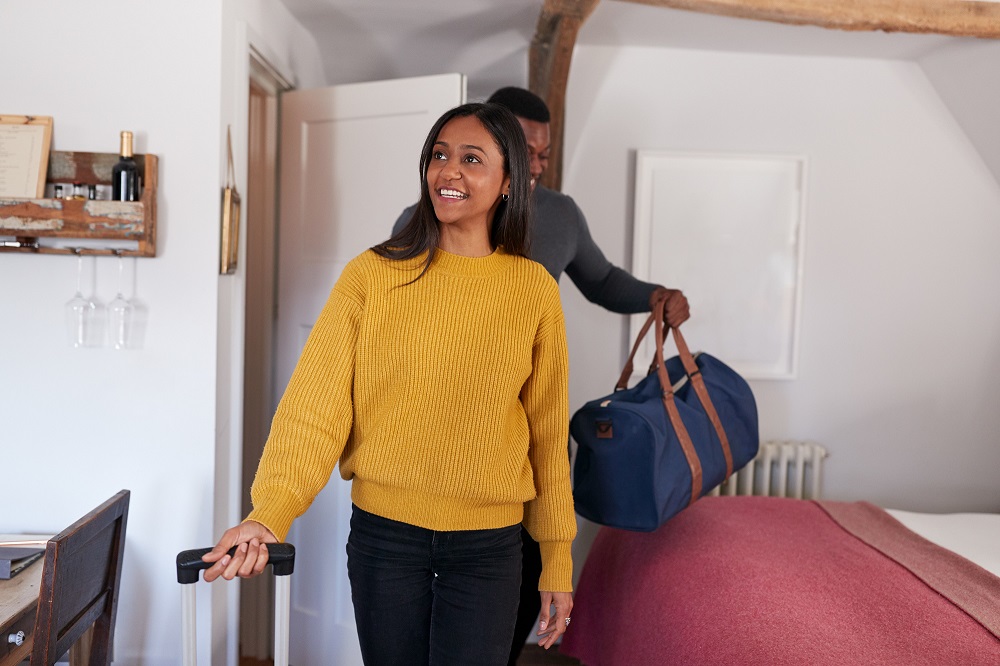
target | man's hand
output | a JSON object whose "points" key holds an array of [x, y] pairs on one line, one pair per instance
{"points": [[677, 311]]}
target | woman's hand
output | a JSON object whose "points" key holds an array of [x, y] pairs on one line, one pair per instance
{"points": [[551, 628], [250, 559]]}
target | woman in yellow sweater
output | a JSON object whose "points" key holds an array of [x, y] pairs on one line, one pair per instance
{"points": [[437, 376]]}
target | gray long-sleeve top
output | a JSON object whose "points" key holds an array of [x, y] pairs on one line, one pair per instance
{"points": [[561, 241]]}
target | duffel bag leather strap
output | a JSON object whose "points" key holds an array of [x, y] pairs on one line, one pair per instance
{"points": [[698, 382], [694, 374], [627, 370], [687, 446]]}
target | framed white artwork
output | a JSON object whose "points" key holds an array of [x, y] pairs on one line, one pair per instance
{"points": [[728, 230]]}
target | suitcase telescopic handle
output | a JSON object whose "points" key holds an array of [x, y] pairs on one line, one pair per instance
{"points": [[281, 557]]}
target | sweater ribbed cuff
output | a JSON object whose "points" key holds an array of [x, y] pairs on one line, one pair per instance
{"points": [[276, 517], [557, 566]]}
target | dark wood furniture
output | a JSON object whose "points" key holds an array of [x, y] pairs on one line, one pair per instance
{"points": [[77, 593], [18, 602]]}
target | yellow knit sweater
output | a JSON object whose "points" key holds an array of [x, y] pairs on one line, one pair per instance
{"points": [[445, 400]]}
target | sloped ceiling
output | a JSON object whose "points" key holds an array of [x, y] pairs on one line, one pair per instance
{"points": [[365, 40], [967, 76], [964, 70], [488, 40]]}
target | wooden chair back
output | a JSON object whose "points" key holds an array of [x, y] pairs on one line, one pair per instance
{"points": [[79, 589]]}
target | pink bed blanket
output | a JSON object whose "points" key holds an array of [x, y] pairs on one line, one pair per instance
{"points": [[772, 581]]}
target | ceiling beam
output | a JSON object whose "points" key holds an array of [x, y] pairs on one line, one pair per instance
{"points": [[560, 20], [958, 18], [548, 69]]}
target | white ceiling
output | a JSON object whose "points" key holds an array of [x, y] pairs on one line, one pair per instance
{"points": [[488, 40]]}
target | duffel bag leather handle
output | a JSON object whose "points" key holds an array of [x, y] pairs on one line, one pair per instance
{"points": [[697, 381], [690, 367], [627, 370]]}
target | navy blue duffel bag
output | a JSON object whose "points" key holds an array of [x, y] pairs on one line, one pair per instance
{"points": [[644, 453]]}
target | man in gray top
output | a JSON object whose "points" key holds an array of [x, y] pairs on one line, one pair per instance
{"points": [[561, 242]]}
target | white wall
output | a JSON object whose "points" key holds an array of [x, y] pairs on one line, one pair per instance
{"points": [[81, 424], [900, 361]]}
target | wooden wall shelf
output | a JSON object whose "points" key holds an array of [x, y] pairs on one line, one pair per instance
{"points": [[28, 220]]}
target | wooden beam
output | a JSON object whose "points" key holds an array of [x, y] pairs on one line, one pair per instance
{"points": [[548, 69], [958, 18], [560, 20]]}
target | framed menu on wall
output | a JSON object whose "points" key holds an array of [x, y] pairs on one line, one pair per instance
{"points": [[24, 155]]}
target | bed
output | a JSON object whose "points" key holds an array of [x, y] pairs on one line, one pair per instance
{"points": [[771, 581]]}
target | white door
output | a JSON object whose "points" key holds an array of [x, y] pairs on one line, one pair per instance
{"points": [[349, 166]]}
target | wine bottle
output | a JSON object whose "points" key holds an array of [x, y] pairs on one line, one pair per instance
{"points": [[125, 174]]}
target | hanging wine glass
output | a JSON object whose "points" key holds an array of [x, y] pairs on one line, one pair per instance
{"points": [[81, 313], [120, 313]]}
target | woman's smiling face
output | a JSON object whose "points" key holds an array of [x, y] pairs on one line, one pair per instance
{"points": [[465, 175]]}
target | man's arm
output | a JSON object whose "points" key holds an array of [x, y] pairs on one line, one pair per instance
{"points": [[613, 288]]}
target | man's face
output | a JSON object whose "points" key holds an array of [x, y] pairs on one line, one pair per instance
{"points": [[537, 135]]}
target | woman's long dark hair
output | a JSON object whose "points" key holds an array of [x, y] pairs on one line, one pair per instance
{"points": [[512, 217]]}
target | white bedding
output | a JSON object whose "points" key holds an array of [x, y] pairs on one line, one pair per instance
{"points": [[974, 536]]}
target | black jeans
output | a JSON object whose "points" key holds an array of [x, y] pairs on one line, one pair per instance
{"points": [[531, 602], [431, 598]]}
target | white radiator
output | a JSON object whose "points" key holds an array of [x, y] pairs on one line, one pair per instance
{"points": [[780, 469]]}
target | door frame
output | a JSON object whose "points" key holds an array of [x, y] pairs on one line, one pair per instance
{"points": [[219, 615], [265, 85]]}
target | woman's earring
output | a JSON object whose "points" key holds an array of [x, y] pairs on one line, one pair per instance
{"points": [[505, 196]]}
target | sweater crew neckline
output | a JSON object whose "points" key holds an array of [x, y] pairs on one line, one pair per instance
{"points": [[457, 264]]}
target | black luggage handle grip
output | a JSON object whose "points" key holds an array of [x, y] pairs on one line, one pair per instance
{"points": [[281, 557]]}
